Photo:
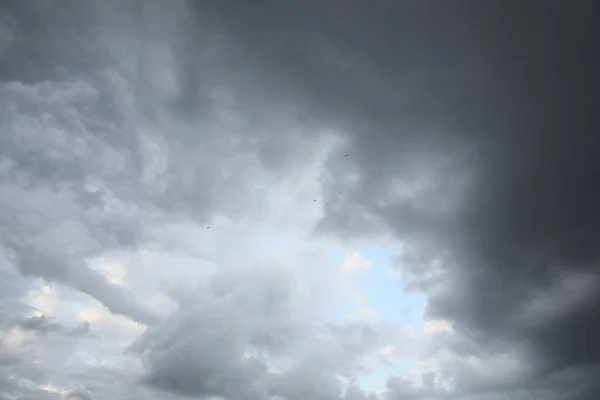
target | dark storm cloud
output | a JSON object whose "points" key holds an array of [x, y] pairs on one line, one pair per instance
{"points": [[527, 215], [486, 113], [471, 133]]}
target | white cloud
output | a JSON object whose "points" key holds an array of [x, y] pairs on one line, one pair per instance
{"points": [[437, 326], [388, 351], [354, 263]]}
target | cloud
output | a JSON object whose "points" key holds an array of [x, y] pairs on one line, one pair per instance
{"points": [[433, 326], [198, 352], [488, 176], [44, 326], [77, 394], [215, 152], [387, 351], [355, 263], [275, 345], [110, 150], [215, 363], [485, 170]]}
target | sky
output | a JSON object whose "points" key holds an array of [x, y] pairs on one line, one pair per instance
{"points": [[289, 200]]}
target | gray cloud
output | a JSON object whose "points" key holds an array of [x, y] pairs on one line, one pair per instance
{"points": [[270, 345], [471, 138], [77, 394], [470, 133], [44, 325], [489, 166], [12, 291], [198, 352], [18, 370], [95, 153], [75, 168]]}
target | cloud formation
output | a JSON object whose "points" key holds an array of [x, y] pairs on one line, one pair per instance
{"points": [[218, 152]]}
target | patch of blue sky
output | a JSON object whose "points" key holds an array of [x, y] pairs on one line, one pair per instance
{"points": [[382, 290], [383, 294]]}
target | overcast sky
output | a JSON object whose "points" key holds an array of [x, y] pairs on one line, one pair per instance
{"points": [[299, 199]]}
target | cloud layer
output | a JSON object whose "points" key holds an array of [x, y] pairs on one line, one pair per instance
{"points": [[174, 177]]}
